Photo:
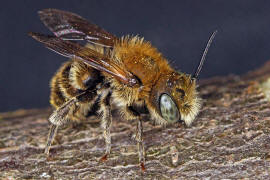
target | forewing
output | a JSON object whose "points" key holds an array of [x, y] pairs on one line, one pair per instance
{"points": [[88, 56], [70, 26]]}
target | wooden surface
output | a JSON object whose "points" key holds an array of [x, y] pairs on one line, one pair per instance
{"points": [[229, 139]]}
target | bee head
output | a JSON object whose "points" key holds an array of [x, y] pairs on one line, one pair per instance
{"points": [[183, 97], [176, 98]]}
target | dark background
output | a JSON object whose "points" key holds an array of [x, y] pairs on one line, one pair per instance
{"points": [[179, 29]]}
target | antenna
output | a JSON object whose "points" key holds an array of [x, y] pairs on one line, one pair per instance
{"points": [[199, 67]]}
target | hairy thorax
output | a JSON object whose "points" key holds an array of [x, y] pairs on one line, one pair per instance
{"points": [[142, 60]]}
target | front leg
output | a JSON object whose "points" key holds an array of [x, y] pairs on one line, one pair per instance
{"points": [[106, 122], [139, 134]]}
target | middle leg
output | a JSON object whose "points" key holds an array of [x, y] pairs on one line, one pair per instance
{"points": [[106, 121], [139, 135]]}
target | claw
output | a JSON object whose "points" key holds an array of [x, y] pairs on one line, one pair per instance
{"points": [[49, 158], [104, 158], [142, 167]]}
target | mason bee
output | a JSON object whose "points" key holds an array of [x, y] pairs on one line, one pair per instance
{"points": [[127, 72]]}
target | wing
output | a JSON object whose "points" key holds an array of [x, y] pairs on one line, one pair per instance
{"points": [[88, 56], [69, 26]]}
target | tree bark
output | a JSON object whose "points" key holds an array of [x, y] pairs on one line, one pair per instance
{"points": [[229, 139]]}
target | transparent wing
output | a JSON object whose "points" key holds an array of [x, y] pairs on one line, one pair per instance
{"points": [[70, 26], [88, 56]]}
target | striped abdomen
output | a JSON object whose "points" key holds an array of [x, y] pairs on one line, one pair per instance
{"points": [[72, 78]]}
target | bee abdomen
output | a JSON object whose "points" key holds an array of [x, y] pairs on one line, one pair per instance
{"points": [[56, 97], [61, 89], [72, 78], [65, 86], [83, 77]]}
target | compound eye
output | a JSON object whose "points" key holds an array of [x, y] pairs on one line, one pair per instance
{"points": [[168, 108]]}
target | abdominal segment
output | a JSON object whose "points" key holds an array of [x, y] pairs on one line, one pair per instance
{"points": [[70, 80]]}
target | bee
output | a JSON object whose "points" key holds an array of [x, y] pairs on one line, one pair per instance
{"points": [[127, 72]]}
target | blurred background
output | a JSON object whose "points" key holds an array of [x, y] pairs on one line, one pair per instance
{"points": [[179, 29]]}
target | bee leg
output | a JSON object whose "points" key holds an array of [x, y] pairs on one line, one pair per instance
{"points": [[140, 145], [59, 116], [52, 132], [106, 124], [139, 134]]}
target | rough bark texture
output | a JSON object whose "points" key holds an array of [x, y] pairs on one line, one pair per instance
{"points": [[229, 139]]}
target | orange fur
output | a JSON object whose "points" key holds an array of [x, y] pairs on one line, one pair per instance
{"points": [[143, 60], [128, 72]]}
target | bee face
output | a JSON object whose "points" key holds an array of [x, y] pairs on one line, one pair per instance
{"points": [[176, 98], [185, 96]]}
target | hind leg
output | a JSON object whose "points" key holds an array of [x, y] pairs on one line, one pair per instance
{"points": [[61, 115]]}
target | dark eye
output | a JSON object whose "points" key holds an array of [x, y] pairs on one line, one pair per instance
{"points": [[182, 92], [168, 108]]}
